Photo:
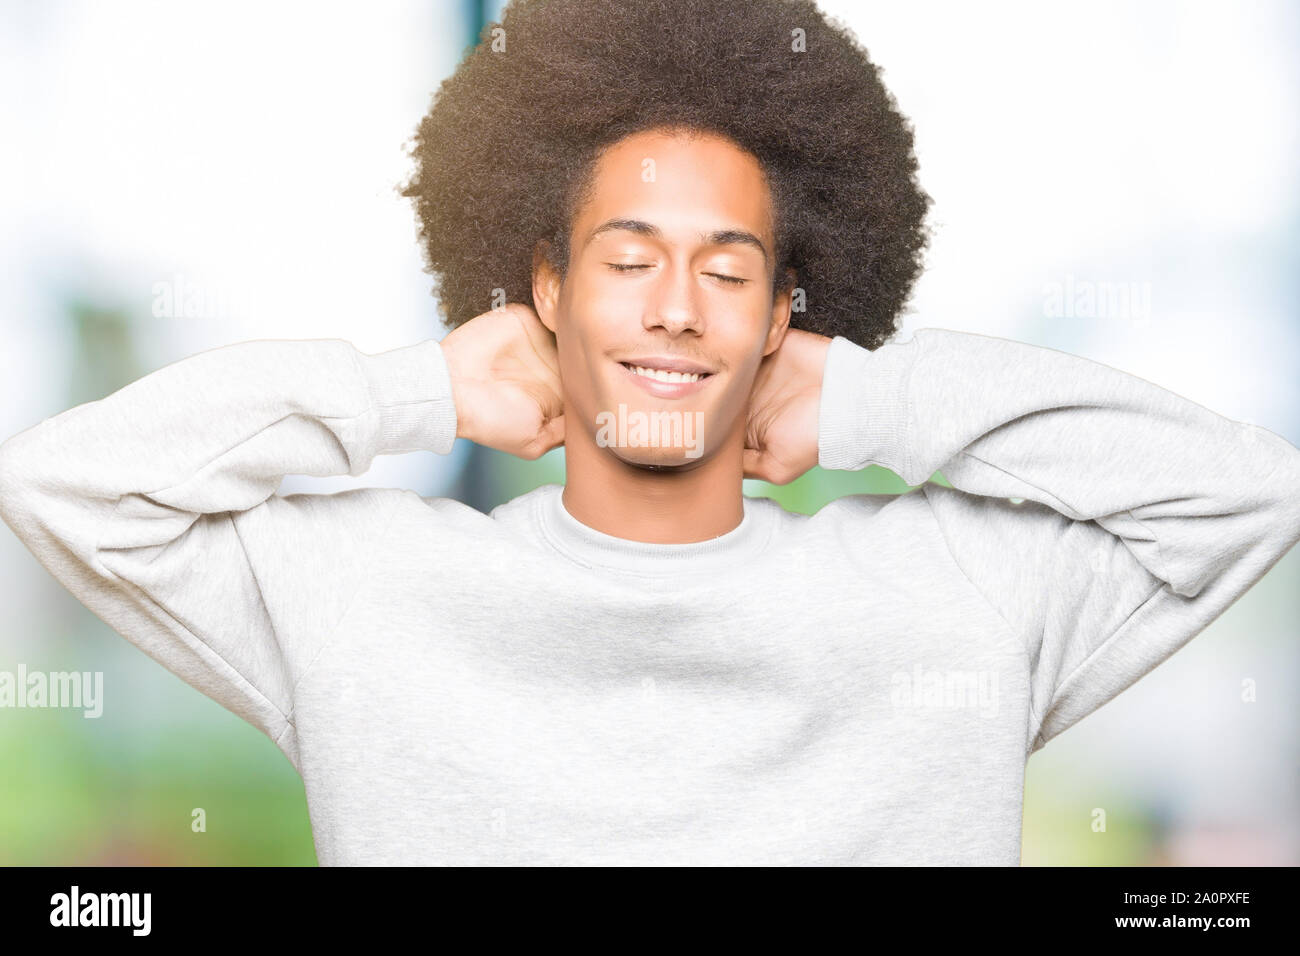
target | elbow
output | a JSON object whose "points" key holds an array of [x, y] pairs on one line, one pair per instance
{"points": [[1291, 504], [11, 480], [1286, 491], [17, 480], [1278, 493], [1280, 521]]}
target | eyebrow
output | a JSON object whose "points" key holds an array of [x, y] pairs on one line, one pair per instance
{"points": [[720, 237]]}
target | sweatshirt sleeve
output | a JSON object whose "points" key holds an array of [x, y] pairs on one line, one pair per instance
{"points": [[1144, 515], [157, 507]]}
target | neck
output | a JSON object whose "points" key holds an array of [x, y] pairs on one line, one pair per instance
{"points": [[694, 502]]}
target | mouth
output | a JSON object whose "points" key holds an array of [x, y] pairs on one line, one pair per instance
{"points": [[667, 378]]}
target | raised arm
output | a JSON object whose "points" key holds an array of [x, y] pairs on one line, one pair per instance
{"points": [[1145, 515], [157, 507]]}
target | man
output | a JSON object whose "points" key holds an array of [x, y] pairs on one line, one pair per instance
{"points": [[644, 666]]}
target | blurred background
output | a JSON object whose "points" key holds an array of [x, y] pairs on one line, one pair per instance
{"points": [[1113, 180]]}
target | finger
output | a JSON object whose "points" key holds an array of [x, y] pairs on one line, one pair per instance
{"points": [[754, 464], [552, 435]]}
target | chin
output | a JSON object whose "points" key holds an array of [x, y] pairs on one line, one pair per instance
{"points": [[657, 459], [663, 438]]}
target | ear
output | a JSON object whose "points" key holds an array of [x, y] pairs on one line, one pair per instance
{"points": [[780, 313], [546, 285]]}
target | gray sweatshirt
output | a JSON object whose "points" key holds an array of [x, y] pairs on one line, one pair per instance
{"points": [[862, 686]]}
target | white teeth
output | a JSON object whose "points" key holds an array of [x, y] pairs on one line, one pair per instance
{"points": [[659, 375]]}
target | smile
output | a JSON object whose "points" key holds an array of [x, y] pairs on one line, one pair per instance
{"points": [[666, 383], [662, 375]]}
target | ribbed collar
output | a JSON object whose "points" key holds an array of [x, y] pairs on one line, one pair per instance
{"points": [[595, 549]]}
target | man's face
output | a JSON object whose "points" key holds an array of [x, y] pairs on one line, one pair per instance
{"points": [[670, 268]]}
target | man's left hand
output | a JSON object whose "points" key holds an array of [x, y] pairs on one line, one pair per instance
{"points": [[784, 406]]}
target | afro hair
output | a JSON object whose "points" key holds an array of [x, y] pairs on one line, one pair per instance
{"points": [[510, 141]]}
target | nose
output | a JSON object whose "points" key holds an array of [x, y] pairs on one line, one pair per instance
{"points": [[672, 306]]}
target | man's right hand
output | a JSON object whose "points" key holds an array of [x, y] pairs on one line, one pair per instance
{"points": [[505, 379]]}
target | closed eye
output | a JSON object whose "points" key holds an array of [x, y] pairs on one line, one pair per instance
{"points": [[629, 267]]}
